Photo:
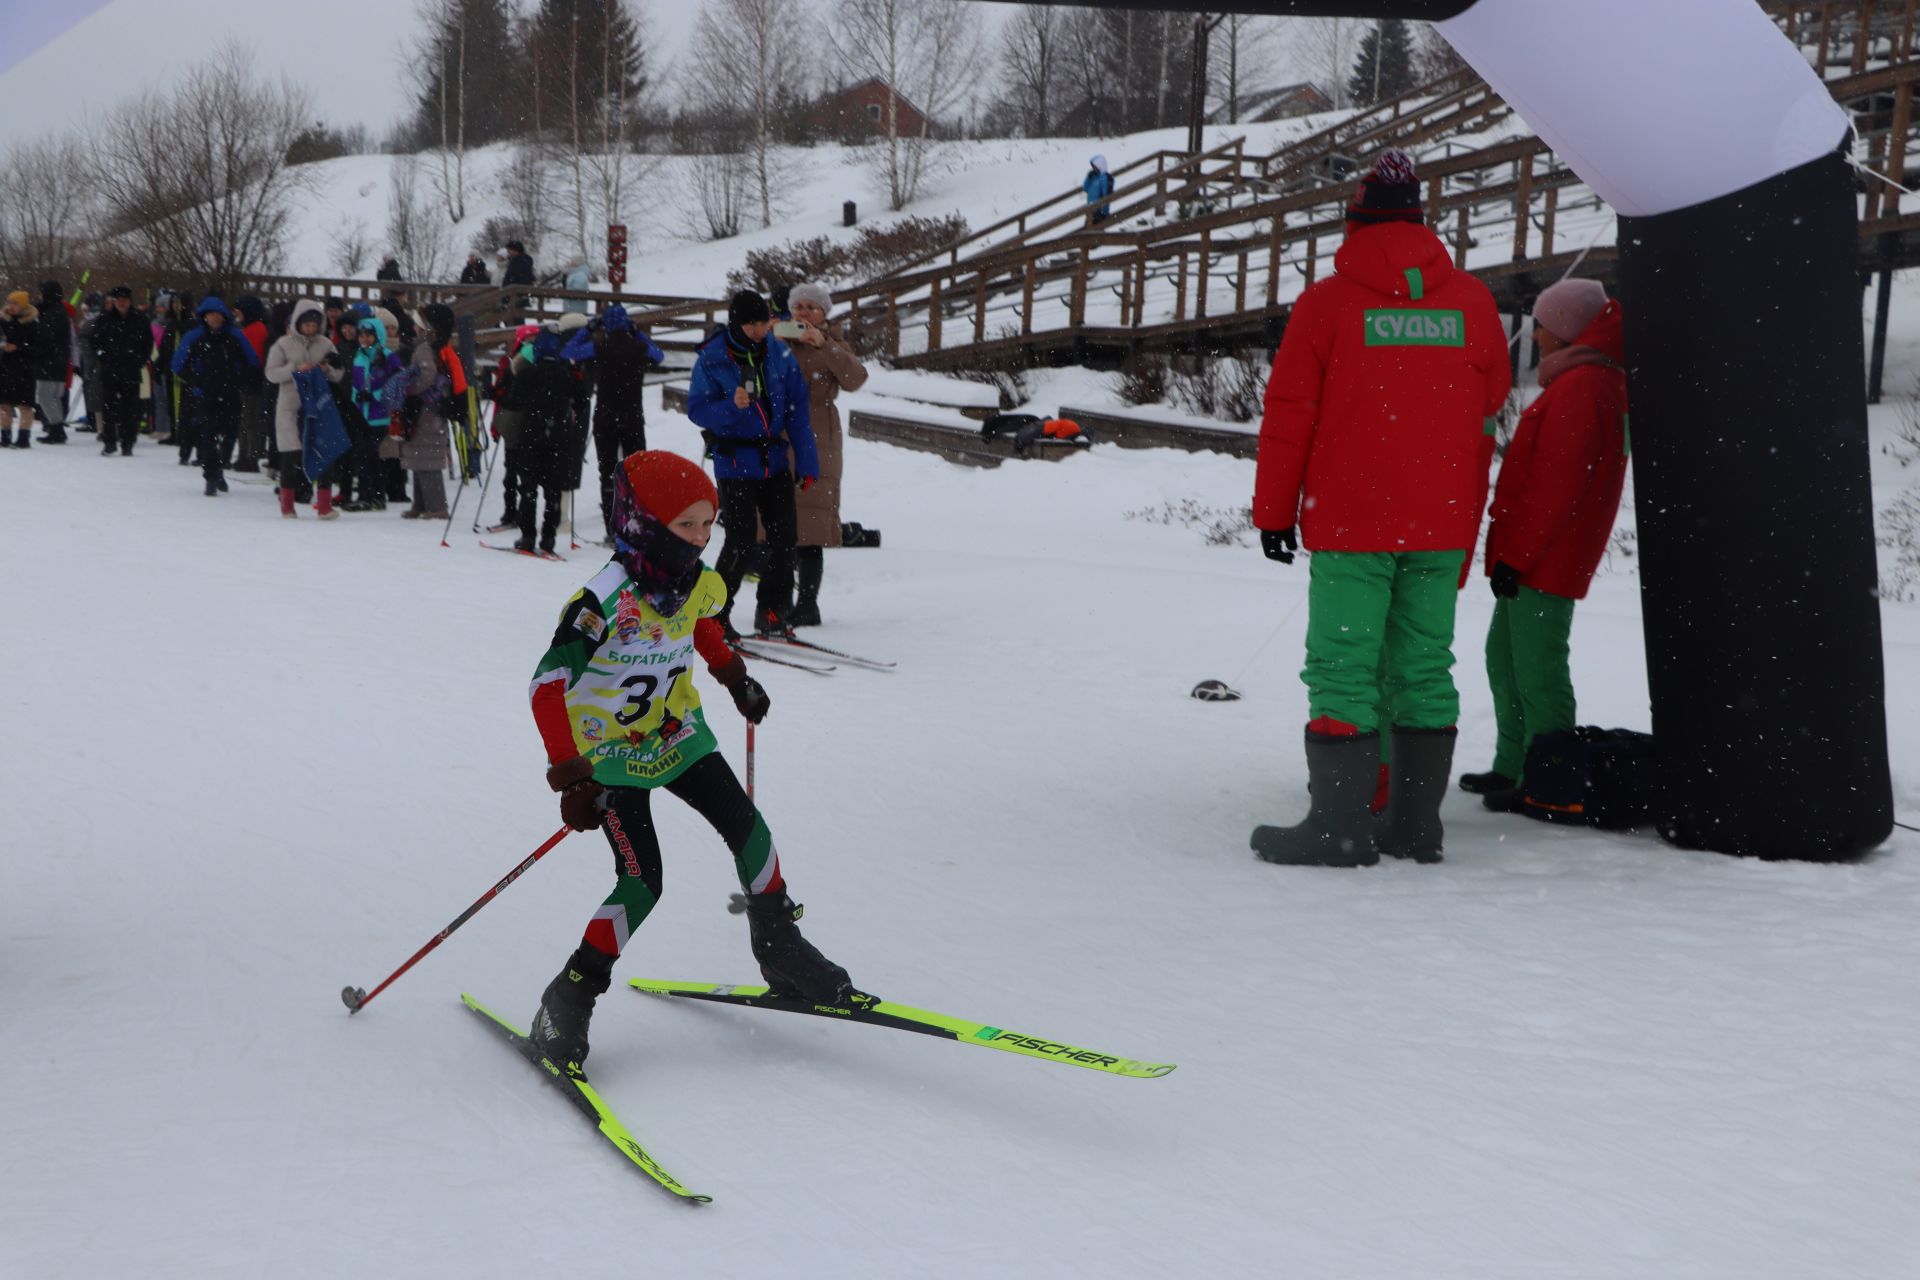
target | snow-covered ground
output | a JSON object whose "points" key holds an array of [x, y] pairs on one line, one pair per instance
{"points": [[295, 750]]}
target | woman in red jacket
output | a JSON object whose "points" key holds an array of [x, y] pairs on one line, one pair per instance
{"points": [[1373, 448], [1553, 512]]}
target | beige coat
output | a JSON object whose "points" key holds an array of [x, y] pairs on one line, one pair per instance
{"points": [[425, 449], [829, 370], [286, 355]]}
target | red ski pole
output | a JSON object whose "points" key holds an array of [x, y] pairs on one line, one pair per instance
{"points": [[355, 998]]}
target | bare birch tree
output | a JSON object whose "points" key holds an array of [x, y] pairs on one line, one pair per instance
{"points": [[743, 52], [926, 50], [1329, 46], [444, 46], [1032, 51], [416, 233], [46, 207], [1242, 42], [197, 180]]}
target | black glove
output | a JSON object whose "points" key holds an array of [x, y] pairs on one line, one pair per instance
{"points": [[580, 806], [751, 699], [1279, 544], [331, 359], [1506, 581]]}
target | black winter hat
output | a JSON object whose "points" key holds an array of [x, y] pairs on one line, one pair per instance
{"points": [[439, 318], [1390, 192], [50, 291], [748, 307], [120, 291]]}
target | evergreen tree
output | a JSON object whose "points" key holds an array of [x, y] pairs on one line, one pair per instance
{"points": [[1395, 65], [573, 67], [486, 62]]}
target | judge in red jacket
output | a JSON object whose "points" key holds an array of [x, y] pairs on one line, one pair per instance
{"points": [[1553, 513], [1372, 448]]}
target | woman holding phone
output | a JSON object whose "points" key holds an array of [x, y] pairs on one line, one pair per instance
{"points": [[829, 366]]}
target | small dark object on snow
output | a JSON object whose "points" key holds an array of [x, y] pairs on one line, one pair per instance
{"points": [[1215, 691], [353, 998]]}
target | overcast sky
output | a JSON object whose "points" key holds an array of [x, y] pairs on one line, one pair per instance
{"points": [[64, 61]]}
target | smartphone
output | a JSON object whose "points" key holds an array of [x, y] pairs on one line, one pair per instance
{"points": [[788, 330]]}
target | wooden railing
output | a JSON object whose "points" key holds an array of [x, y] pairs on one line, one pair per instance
{"points": [[1845, 36], [1228, 273], [1447, 103]]}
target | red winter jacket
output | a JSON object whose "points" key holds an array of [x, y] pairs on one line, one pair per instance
{"points": [[1559, 488], [1377, 408]]}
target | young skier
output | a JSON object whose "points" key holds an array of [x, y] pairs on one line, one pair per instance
{"points": [[617, 710]]}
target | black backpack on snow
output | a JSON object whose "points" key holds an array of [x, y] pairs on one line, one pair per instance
{"points": [[1592, 777]]}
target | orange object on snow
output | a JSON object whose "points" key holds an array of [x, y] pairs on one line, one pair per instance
{"points": [[1062, 429]]}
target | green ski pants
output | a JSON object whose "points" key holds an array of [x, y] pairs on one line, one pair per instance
{"points": [[1527, 670], [1380, 635]]}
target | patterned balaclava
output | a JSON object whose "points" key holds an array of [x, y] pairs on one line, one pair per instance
{"points": [[649, 489]]}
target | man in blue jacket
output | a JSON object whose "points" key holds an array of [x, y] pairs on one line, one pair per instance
{"points": [[750, 400], [218, 367]]}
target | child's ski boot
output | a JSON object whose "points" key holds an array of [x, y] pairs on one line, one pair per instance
{"points": [[559, 1028], [792, 966]]}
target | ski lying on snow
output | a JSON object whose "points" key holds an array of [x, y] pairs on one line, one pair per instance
{"points": [[531, 555], [761, 655], [586, 1100], [794, 642], [881, 1013]]}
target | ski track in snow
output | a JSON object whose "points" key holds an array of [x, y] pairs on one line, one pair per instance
{"points": [[250, 760]]}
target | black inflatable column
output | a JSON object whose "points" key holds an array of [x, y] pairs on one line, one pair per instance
{"points": [[1705, 128], [1750, 470]]}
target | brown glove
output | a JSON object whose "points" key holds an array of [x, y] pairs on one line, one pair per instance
{"points": [[580, 806], [568, 772], [579, 793]]}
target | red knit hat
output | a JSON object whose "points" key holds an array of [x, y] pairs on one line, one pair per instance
{"points": [[665, 484]]}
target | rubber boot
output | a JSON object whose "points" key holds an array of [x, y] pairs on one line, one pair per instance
{"points": [[809, 567], [323, 503], [286, 505], [792, 966], [1342, 771], [1422, 765], [559, 1027]]}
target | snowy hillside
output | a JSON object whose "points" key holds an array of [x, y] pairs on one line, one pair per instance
{"points": [[983, 181]]}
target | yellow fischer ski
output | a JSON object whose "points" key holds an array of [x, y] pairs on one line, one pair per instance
{"points": [[881, 1013]]}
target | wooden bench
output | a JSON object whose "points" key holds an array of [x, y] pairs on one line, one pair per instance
{"points": [[1141, 433], [955, 444]]}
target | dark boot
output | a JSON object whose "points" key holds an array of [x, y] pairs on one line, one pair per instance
{"points": [[792, 966], [768, 623], [1342, 772], [1422, 763], [1506, 800], [559, 1028], [809, 567], [1481, 784]]}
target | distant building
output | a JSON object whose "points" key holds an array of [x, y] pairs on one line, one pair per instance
{"points": [[1302, 99], [861, 109]]}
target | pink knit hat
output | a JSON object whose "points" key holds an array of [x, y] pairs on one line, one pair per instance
{"points": [[1567, 308]]}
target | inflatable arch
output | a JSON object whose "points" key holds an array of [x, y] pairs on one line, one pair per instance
{"points": [[1725, 158]]}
